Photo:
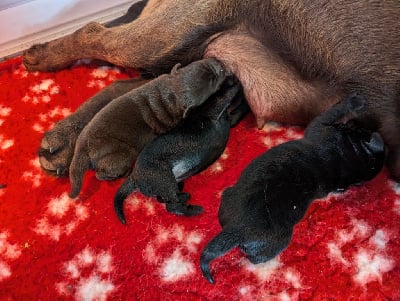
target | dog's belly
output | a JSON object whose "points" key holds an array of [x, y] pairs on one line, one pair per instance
{"points": [[273, 90]]}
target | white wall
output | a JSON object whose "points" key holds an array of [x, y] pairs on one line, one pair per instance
{"points": [[42, 20]]}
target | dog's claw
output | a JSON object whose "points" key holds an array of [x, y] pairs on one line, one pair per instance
{"points": [[59, 172]]}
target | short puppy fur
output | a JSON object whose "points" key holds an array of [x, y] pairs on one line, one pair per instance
{"points": [[273, 193], [111, 141], [58, 144], [180, 153]]}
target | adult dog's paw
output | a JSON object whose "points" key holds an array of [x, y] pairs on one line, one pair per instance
{"points": [[57, 148], [43, 57]]}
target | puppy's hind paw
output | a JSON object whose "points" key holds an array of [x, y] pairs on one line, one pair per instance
{"points": [[57, 148], [184, 209]]}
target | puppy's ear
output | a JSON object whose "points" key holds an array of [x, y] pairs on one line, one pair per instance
{"points": [[174, 70]]}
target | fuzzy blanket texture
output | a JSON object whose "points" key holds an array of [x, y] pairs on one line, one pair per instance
{"points": [[347, 247]]}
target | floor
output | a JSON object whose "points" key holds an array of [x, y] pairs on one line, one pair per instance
{"points": [[4, 4]]}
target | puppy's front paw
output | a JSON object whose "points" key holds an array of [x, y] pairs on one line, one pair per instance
{"points": [[57, 148]]}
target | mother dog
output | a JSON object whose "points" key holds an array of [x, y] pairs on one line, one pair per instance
{"points": [[294, 58]]}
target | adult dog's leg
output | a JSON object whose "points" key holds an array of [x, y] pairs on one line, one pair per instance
{"points": [[58, 144], [164, 28]]}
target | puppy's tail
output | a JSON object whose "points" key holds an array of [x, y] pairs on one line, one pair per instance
{"points": [[126, 188], [79, 165], [218, 246]]}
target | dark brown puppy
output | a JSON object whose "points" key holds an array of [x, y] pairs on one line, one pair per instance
{"points": [[58, 144], [294, 58], [259, 212], [111, 141], [187, 149]]}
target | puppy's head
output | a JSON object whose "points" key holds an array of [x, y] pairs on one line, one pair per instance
{"points": [[201, 79], [368, 153]]}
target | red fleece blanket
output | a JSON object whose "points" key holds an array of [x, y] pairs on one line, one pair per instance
{"points": [[347, 247]]}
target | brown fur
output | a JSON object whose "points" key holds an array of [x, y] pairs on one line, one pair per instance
{"points": [[113, 138], [295, 58], [57, 145]]}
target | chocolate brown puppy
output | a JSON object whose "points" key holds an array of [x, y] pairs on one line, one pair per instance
{"points": [[111, 141], [58, 144], [185, 150], [294, 58], [259, 212]]}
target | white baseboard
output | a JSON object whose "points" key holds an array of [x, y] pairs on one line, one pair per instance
{"points": [[40, 21]]}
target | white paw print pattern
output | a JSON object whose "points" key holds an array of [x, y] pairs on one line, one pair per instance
{"points": [[370, 261], [47, 120], [42, 92], [4, 112], [286, 134], [218, 166], [4, 142], [87, 276], [175, 266], [136, 201], [101, 76], [35, 174], [22, 73], [54, 224], [396, 188], [8, 252], [267, 273]]}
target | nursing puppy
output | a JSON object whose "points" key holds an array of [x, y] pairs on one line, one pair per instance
{"points": [[273, 193], [111, 141], [180, 153]]}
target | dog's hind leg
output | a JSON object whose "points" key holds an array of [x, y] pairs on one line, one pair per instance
{"points": [[161, 30], [126, 188], [181, 208], [116, 164], [57, 145], [79, 165], [155, 178]]}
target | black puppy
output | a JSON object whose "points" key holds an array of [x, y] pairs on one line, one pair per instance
{"points": [[273, 193], [182, 152]]}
